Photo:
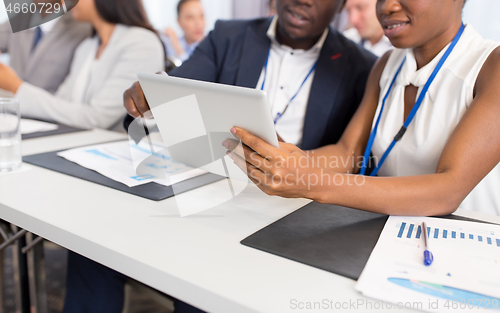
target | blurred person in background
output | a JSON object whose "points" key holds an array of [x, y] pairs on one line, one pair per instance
{"points": [[103, 66], [42, 55], [272, 8], [191, 19], [366, 29]]}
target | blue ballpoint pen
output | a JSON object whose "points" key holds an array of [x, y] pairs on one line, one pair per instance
{"points": [[428, 257]]}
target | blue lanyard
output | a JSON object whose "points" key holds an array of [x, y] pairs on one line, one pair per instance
{"points": [[413, 112], [279, 115]]}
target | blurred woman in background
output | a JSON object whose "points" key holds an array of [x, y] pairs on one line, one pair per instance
{"points": [[124, 44]]}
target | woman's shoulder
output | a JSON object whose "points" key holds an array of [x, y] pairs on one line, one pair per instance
{"points": [[86, 45], [471, 56], [489, 74], [475, 43], [394, 58], [134, 34], [389, 64]]}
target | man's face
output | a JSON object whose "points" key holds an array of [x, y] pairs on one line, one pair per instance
{"points": [[306, 19], [363, 16], [192, 20], [85, 11]]}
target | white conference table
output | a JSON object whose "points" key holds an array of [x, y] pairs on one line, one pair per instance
{"points": [[197, 259]]}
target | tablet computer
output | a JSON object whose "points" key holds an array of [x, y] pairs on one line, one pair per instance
{"points": [[195, 117]]}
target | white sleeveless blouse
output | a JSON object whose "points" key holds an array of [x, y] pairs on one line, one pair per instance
{"points": [[446, 102]]}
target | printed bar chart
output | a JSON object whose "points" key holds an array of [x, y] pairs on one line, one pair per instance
{"points": [[401, 230], [414, 231], [410, 231]]}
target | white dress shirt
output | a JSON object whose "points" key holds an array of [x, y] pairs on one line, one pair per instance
{"points": [[38, 20], [286, 70], [188, 48], [379, 48]]}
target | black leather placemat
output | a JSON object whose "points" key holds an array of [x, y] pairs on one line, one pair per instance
{"points": [[62, 129], [332, 238], [152, 191]]}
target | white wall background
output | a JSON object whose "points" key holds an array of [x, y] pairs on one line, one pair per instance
{"points": [[163, 13], [3, 13], [3, 18], [484, 15], [247, 9]]}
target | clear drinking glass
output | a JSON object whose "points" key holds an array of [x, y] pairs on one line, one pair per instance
{"points": [[10, 135]]}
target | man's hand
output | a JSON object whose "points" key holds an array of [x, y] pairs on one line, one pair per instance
{"points": [[135, 102], [9, 80], [170, 33]]}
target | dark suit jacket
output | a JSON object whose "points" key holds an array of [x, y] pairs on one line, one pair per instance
{"points": [[235, 52]]}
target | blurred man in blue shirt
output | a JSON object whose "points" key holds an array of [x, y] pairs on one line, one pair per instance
{"points": [[191, 19]]}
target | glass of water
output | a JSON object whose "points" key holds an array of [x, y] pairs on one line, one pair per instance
{"points": [[10, 135]]}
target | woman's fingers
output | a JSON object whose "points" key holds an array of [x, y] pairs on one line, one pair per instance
{"points": [[255, 143], [250, 156], [243, 164], [254, 173], [275, 171], [234, 146]]}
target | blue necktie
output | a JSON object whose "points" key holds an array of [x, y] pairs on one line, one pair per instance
{"points": [[38, 37]]}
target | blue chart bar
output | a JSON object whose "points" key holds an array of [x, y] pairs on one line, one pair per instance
{"points": [[401, 230], [419, 232], [410, 231]]}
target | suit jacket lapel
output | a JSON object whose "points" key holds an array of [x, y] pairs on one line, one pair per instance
{"points": [[29, 38], [330, 71], [26, 38], [256, 47], [45, 44]]}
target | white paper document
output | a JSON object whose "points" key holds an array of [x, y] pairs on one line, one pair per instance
{"points": [[132, 164], [464, 276], [32, 126]]}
